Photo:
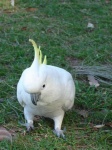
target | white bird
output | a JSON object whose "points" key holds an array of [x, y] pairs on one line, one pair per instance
{"points": [[45, 90]]}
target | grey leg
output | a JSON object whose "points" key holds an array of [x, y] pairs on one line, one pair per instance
{"points": [[57, 127], [29, 118]]}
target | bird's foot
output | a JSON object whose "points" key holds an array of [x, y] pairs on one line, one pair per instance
{"points": [[29, 126], [59, 133]]}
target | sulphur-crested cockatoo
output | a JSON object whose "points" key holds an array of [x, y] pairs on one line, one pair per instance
{"points": [[45, 90]]}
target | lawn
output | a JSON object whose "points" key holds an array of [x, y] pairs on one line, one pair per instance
{"points": [[60, 28]]}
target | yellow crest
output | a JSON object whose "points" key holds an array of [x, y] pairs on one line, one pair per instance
{"points": [[38, 53]]}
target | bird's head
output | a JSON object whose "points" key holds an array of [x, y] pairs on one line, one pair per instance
{"points": [[35, 76]]}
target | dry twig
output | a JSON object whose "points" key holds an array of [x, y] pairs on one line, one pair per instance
{"points": [[101, 73]]}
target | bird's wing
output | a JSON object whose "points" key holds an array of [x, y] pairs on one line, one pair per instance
{"points": [[20, 92], [70, 95]]}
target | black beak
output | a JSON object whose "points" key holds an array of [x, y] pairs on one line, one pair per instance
{"points": [[35, 97]]}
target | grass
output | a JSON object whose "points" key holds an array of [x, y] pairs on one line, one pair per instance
{"points": [[60, 27]]}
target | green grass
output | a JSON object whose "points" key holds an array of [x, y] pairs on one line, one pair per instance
{"points": [[60, 27]]}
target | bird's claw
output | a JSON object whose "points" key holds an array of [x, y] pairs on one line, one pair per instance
{"points": [[59, 133], [29, 127]]}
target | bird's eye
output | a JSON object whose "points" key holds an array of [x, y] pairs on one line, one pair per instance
{"points": [[44, 86]]}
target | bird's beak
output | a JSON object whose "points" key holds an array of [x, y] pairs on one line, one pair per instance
{"points": [[35, 97]]}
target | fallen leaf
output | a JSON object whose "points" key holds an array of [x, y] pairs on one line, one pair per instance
{"points": [[38, 139], [90, 25], [93, 81], [109, 124], [81, 146], [83, 113], [23, 133], [99, 126], [107, 1], [31, 9], [5, 134], [7, 11], [24, 28], [69, 147]]}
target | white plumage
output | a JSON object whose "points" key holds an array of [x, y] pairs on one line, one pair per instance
{"points": [[45, 90]]}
